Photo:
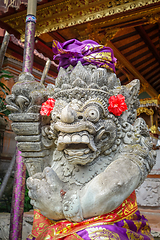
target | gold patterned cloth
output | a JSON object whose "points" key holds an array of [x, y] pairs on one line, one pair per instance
{"points": [[87, 52], [123, 223]]}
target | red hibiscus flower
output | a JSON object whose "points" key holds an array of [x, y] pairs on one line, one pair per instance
{"points": [[117, 104], [47, 107]]}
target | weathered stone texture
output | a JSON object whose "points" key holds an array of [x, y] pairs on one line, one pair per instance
{"points": [[29, 146], [148, 194], [28, 138], [24, 117]]}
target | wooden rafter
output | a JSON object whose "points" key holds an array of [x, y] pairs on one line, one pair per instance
{"points": [[154, 77], [58, 36], [151, 73], [157, 81], [150, 90], [153, 62], [141, 31], [47, 50]]}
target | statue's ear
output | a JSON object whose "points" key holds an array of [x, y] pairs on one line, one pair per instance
{"points": [[132, 90]]}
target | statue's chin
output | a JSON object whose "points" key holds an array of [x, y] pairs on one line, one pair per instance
{"points": [[79, 156]]}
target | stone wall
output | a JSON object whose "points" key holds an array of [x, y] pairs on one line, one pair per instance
{"points": [[148, 194], [148, 198]]}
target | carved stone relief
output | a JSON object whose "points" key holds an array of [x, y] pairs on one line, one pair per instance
{"points": [[148, 194]]}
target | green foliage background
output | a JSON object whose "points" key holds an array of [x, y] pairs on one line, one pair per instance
{"points": [[4, 91]]}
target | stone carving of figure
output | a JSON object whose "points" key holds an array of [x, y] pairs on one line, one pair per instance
{"points": [[86, 153]]}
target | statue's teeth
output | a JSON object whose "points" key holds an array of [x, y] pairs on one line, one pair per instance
{"points": [[60, 139], [60, 143], [92, 145], [80, 153], [87, 151], [76, 139], [67, 139], [70, 153], [66, 151], [60, 146], [77, 153], [85, 139]]}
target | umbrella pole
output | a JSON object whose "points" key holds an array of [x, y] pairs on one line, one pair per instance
{"points": [[16, 219], [28, 53], [17, 208]]}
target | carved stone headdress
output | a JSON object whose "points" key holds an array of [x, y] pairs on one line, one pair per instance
{"points": [[86, 71]]}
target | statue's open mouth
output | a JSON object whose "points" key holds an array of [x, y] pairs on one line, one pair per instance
{"points": [[78, 149], [77, 146]]}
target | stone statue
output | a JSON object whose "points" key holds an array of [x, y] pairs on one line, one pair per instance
{"points": [[86, 152]]}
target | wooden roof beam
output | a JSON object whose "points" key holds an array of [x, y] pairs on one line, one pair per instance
{"points": [[141, 31], [158, 87], [45, 48], [150, 90], [57, 35], [153, 78], [9, 29], [156, 82]]}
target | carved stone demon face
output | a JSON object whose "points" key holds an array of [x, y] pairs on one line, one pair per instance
{"points": [[84, 130], [80, 119]]}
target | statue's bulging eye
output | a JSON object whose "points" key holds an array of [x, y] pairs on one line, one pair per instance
{"points": [[93, 115]]}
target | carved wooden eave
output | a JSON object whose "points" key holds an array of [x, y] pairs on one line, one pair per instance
{"points": [[150, 107], [145, 110], [113, 23], [150, 102], [66, 13]]}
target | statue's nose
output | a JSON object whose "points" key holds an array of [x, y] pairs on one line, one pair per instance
{"points": [[67, 115]]}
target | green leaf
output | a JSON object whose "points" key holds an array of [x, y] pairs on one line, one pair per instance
{"points": [[5, 76], [4, 91], [3, 86], [5, 71]]}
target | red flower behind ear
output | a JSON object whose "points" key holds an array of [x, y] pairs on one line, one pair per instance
{"points": [[47, 107], [117, 104]]}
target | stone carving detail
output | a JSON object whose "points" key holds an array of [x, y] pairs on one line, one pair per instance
{"points": [[148, 194], [94, 157], [25, 103]]}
